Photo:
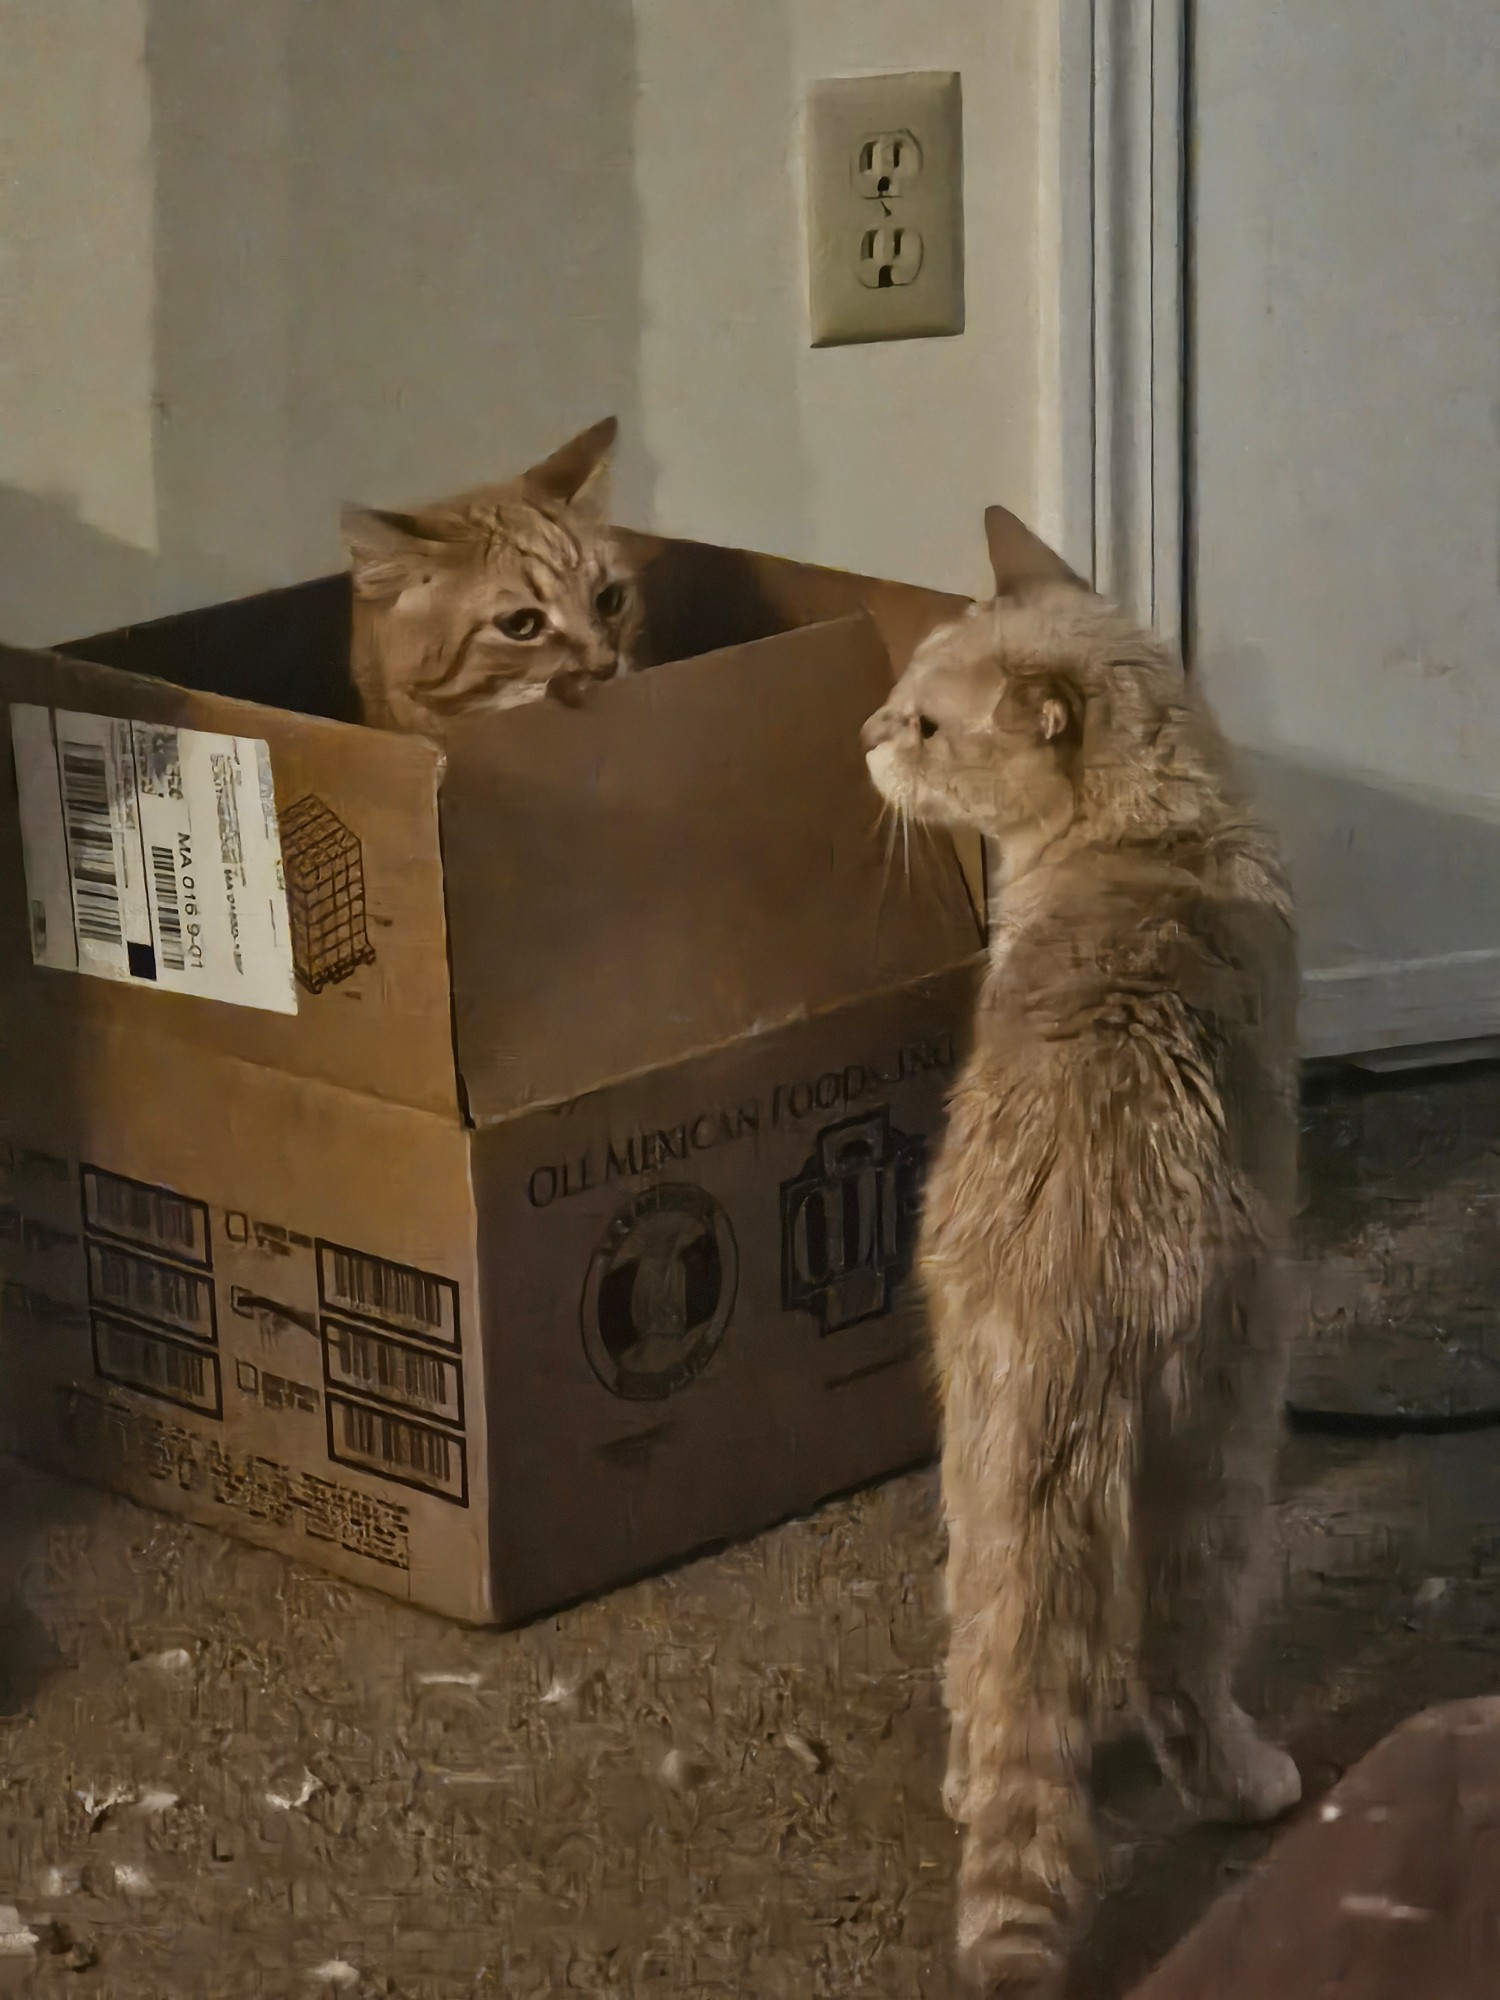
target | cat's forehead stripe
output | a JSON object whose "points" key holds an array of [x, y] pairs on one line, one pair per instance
{"points": [[535, 538]]}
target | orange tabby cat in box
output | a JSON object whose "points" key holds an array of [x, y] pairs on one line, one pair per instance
{"points": [[498, 596], [1100, 1240]]}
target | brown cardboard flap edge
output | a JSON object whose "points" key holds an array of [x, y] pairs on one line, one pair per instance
{"points": [[701, 596], [694, 856], [388, 1034]]}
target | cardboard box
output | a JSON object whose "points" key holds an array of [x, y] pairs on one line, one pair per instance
{"points": [[548, 1214]]}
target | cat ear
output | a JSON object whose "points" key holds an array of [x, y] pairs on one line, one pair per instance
{"points": [[388, 552], [1052, 718], [1047, 708], [577, 474], [1020, 559]]}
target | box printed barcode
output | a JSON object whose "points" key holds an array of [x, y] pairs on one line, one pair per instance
{"points": [[154, 1365], [397, 1296], [146, 1289], [397, 1449], [158, 1217], [393, 1371]]}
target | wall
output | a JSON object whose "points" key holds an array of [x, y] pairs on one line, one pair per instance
{"points": [[76, 255], [257, 260], [1346, 432], [880, 456], [1347, 345]]}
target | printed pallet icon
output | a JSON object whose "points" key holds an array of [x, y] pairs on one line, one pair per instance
{"points": [[325, 894]]}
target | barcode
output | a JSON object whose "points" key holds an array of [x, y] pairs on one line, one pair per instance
{"points": [[168, 910], [144, 1211], [150, 1215], [154, 1291], [156, 1362], [156, 1366], [91, 844], [374, 1286], [402, 1447], [398, 1371]]}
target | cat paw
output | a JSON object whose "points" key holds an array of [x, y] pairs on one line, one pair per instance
{"points": [[1259, 1783], [1003, 1960], [1239, 1778]]}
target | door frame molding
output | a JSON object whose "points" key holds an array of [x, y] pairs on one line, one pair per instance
{"points": [[1113, 485]]}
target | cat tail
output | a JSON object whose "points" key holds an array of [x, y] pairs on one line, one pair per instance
{"points": [[1030, 1867]]}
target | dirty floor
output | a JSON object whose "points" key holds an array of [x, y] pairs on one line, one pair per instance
{"points": [[224, 1776]]}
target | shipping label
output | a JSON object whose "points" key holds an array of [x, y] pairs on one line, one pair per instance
{"points": [[153, 856]]}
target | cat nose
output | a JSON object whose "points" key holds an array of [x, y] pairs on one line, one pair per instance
{"points": [[880, 728]]}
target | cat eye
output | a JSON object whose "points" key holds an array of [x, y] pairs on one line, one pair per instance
{"points": [[611, 600], [527, 624], [927, 726]]}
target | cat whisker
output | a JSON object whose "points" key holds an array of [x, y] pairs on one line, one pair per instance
{"points": [[887, 817]]}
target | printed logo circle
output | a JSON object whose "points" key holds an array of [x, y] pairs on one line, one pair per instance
{"points": [[659, 1292]]}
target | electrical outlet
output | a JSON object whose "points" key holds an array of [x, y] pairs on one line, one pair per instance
{"points": [[888, 165], [885, 207], [889, 256]]}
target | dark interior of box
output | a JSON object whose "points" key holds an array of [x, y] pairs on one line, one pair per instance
{"points": [[290, 648]]}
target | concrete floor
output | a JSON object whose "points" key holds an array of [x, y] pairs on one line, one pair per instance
{"points": [[221, 1775]]}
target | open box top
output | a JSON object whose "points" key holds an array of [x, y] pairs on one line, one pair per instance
{"points": [[693, 856]]}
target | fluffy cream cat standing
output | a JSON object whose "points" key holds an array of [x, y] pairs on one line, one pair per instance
{"points": [[1101, 1233], [498, 596]]}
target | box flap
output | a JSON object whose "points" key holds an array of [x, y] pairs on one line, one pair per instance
{"points": [[699, 597], [695, 854], [359, 843], [290, 647]]}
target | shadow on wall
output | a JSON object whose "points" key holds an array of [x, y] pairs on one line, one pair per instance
{"points": [[61, 578], [396, 252]]}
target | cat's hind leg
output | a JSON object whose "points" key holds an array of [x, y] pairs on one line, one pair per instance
{"points": [[1202, 1503]]}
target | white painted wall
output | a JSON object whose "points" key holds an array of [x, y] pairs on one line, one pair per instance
{"points": [[298, 251], [1346, 443], [880, 457], [256, 260], [76, 248], [1348, 398]]}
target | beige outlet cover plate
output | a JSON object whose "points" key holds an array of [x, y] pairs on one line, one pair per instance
{"points": [[885, 219]]}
